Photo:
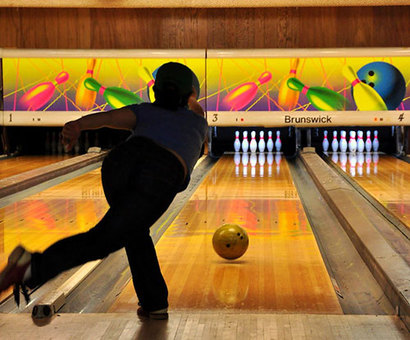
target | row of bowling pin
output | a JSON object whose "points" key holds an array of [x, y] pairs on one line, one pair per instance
{"points": [[353, 145], [253, 145], [252, 159], [356, 161]]}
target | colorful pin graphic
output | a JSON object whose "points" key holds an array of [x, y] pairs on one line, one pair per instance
{"points": [[244, 93], [146, 76], [365, 97], [320, 97], [85, 98], [288, 98], [41, 94], [116, 97]]}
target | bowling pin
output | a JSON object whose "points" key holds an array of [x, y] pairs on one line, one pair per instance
{"points": [[343, 161], [343, 142], [261, 143], [360, 142], [352, 142], [269, 159], [41, 94], [368, 162], [325, 143], [116, 97], [85, 98], [376, 141], [253, 145], [352, 161], [237, 161], [269, 144], [147, 77], [375, 162], [261, 161], [335, 144], [245, 143], [365, 97], [335, 157], [244, 93], [360, 162], [237, 143], [253, 161], [245, 161], [288, 98], [368, 143], [278, 142], [320, 97], [278, 159]]}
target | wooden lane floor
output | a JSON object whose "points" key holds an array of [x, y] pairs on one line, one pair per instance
{"points": [[202, 325], [282, 270], [17, 165], [384, 177], [37, 221]]}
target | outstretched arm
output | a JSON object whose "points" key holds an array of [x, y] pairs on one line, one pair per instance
{"points": [[123, 119], [194, 105], [197, 108]]}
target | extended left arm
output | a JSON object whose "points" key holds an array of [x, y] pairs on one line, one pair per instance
{"points": [[123, 119]]}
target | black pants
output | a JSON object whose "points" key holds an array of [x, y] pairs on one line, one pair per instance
{"points": [[140, 180]]}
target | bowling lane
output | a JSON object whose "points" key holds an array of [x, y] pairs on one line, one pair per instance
{"points": [[17, 165], [39, 220], [282, 269], [384, 177]]}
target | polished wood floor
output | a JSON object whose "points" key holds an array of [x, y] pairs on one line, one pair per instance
{"points": [[385, 177], [282, 269], [39, 220], [210, 297], [17, 165], [206, 326]]}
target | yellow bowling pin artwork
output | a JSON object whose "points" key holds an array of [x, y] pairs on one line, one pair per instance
{"points": [[85, 98], [288, 98], [365, 97], [147, 77]]}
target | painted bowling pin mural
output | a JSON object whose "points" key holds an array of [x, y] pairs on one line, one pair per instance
{"points": [[85, 84], [224, 84]]}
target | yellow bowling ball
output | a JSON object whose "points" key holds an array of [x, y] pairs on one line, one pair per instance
{"points": [[230, 241]]}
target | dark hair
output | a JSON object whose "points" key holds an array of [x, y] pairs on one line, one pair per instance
{"points": [[168, 97]]}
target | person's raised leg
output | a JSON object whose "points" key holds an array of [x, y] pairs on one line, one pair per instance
{"points": [[24, 268], [75, 250]]}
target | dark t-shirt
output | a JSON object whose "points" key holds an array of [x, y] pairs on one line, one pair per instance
{"points": [[182, 131]]}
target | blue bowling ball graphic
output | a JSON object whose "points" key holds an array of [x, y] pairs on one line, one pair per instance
{"points": [[387, 80]]}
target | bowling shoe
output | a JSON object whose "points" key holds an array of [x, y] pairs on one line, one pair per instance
{"points": [[13, 273], [161, 314]]}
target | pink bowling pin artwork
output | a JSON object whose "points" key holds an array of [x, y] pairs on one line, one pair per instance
{"points": [[41, 94], [242, 95]]}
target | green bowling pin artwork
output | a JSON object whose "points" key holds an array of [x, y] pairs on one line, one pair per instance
{"points": [[116, 97], [320, 97]]}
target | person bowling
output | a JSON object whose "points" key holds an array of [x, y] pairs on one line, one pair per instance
{"points": [[140, 178]]}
